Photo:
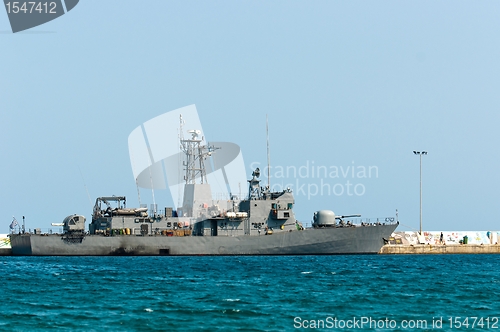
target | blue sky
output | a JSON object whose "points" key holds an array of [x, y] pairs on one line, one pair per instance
{"points": [[344, 83]]}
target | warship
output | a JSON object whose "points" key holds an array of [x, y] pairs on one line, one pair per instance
{"points": [[262, 223]]}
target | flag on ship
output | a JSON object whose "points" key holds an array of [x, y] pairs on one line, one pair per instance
{"points": [[13, 224]]}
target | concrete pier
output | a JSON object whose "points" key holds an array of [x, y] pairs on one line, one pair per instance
{"points": [[429, 249]]}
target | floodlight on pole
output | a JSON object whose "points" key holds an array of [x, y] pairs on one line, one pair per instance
{"points": [[420, 153]]}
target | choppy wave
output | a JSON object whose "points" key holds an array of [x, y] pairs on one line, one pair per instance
{"points": [[240, 293]]}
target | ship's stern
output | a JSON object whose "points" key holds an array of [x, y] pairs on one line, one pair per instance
{"points": [[21, 244]]}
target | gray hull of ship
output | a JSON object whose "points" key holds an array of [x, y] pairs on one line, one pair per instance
{"points": [[324, 241]]}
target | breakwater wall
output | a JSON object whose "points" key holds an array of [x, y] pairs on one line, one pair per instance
{"points": [[446, 237], [412, 249], [5, 249], [445, 242]]}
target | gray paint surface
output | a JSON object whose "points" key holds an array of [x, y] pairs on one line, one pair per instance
{"points": [[348, 240]]}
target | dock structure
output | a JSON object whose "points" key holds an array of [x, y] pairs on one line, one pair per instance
{"points": [[5, 249], [429, 249]]}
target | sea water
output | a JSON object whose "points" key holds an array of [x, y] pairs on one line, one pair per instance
{"points": [[266, 293]]}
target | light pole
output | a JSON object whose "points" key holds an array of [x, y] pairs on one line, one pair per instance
{"points": [[420, 154]]}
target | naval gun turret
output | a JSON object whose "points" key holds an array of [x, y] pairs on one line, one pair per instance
{"points": [[327, 218], [73, 227], [74, 224]]}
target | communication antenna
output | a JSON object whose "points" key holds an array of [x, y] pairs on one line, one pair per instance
{"points": [[152, 186], [85, 185], [136, 179], [180, 165], [268, 157], [138, 192]]}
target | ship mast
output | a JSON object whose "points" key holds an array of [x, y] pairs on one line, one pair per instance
{"points": [[196, 153]]}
